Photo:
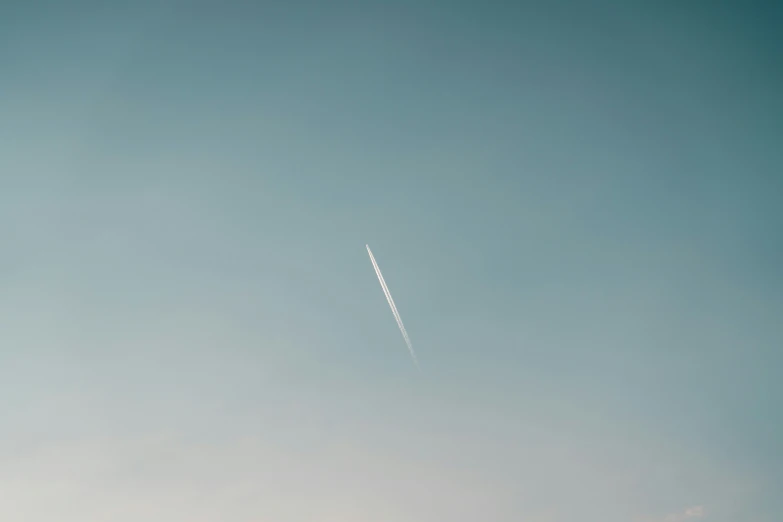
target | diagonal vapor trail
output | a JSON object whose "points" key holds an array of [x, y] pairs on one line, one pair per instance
{"points": [[393, 308]]}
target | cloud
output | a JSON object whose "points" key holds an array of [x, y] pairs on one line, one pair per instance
{"points": [[690, 513], [694, 512]]}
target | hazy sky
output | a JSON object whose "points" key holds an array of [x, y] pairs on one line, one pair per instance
{"points": [[577, 208]]}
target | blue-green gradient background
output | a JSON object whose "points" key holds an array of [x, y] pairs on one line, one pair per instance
{"points": [[576, 205]]}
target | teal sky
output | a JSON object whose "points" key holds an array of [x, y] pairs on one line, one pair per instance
{"points": [[576, 206]]}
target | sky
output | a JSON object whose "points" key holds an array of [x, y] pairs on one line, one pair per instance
{"points": [[576, 207]]}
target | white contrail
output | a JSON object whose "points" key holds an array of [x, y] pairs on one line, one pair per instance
{"points": [[393, 307]]}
